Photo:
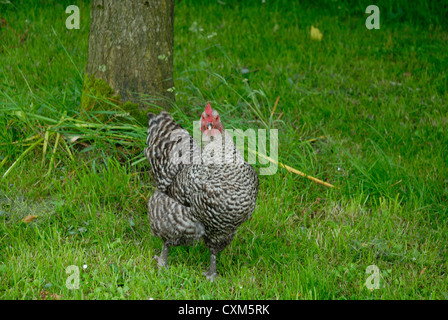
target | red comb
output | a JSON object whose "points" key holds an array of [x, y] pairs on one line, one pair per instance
{"points": [[208, 109]]}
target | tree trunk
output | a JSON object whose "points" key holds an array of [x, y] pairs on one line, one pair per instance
{"points": [[131, 48]]}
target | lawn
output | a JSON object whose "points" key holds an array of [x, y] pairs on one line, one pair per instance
{"points": [[364, 110]]}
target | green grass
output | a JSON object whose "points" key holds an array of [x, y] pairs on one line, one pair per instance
{"points": [[379, 97]]}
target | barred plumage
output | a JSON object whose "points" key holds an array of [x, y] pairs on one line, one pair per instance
{"points": [[196, 197]]}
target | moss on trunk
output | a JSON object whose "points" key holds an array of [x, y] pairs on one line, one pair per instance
{"points": [[97, 95]]}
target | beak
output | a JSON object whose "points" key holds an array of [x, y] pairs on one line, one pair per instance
{"points": [[209, 126]]}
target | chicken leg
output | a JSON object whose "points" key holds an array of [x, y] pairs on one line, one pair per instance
{"points": [[162, 260], [211, 274]]}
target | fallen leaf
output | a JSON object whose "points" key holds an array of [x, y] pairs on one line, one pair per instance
{"points": [[55, 296], [423, 271], [29, 218], [44, 294], [74, 138], [316, 34]]}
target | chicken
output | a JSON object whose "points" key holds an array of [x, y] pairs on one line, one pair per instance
{"points": [[201, 194]]}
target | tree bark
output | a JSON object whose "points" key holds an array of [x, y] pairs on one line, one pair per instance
{"points": [[131, 48]]}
